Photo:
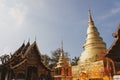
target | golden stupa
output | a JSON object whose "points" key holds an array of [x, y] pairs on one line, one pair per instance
{"points": [[92, 64], [94, 46], [62, 71]]}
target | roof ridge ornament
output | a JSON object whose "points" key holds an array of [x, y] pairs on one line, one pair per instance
{"points": [[28, 39], [24, 42], [117, 33], [35, 38]]}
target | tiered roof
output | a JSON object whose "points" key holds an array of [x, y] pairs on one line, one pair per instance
{"points": [[24, 53]]}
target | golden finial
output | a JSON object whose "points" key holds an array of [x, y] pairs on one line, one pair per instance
{"points": [[62, 44], [62, 51], [90, 18]]}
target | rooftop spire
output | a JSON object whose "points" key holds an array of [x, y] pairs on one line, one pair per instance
{"points": [[62, 60], [90, 22], [24, 42], [62, 46], [35, 38], [62, 50], [28, 39]]}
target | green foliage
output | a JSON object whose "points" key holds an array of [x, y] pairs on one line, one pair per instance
{"points": [[4, 58], [75, 61], [46, 59]]}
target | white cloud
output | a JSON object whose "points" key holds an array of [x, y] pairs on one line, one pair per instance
{"points": [[18, 14], [115, 10], [2, 3], [12, 13], [112, 12]]}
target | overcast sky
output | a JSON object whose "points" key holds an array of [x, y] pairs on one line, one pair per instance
{"points": [[52, 21]]}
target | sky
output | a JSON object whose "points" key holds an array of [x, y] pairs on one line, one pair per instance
{"points": [[51, 21]]}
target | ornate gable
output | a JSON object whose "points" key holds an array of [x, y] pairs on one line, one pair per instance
{"points": [[114, 51], [33, 54]]}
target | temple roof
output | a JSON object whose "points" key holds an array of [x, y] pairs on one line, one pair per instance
{"points": [[26, 47], [19, 50], [33, 49], [114, 50]]}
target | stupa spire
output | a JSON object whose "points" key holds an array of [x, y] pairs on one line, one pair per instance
{"points": [[62, 60], [90, 22], [62, 51]]}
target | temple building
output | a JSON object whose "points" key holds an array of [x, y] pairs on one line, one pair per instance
{"points": [[92, 64], [25, 63], [63, 69], [95, 62], [114, 50]]}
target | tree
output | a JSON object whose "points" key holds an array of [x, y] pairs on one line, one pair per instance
{"points": [[46, 59], [4, 58], [75, 61]]}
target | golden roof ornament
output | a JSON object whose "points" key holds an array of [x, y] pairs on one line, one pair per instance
{"points": [[62, 60]]}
